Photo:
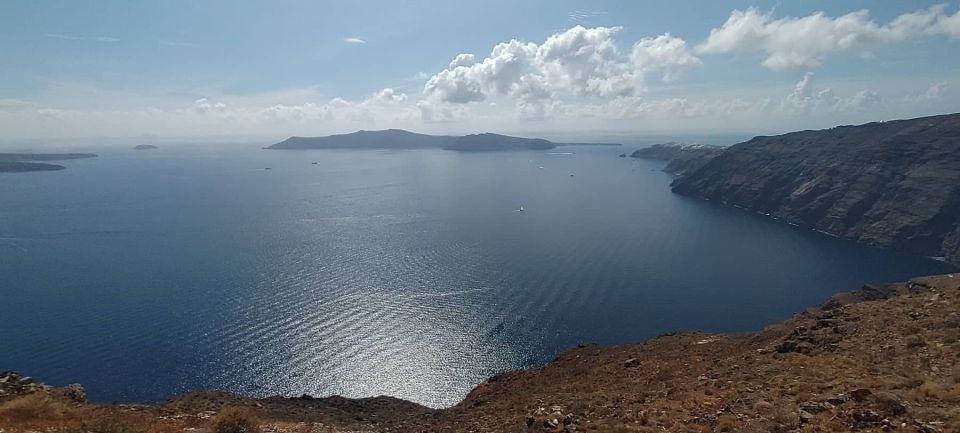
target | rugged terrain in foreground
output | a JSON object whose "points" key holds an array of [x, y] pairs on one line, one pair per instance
{"points": [[894, 184], [883, 358]]}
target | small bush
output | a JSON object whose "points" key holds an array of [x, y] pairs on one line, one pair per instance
{"points": [[236, 420]]}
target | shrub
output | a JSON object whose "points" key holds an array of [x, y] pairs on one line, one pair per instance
{"points": [[236, 420]]}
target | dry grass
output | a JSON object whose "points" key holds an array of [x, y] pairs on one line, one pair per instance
{"points": [[236, 420], [35, 411]]}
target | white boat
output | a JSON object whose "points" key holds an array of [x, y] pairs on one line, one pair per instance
{"points": [[521, 209]]}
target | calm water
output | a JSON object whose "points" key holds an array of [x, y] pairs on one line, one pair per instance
{"points": [[407, 273]]}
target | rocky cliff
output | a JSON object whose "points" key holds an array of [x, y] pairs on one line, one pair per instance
{"points": [[682, 158], [893, 184], [883, 358]]}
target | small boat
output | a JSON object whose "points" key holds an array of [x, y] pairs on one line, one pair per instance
{"points": [[314, 163], [521, 209], [266, 168]]}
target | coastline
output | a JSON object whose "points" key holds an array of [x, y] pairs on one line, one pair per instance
{"points": [[885, 354]]}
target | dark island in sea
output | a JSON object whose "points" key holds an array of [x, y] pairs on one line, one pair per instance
{"points": [[883, 358], [401, 139], [385, 139], [893, 184], [144, 147], [25, 162]]}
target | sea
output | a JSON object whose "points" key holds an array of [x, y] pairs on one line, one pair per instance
{"points": [[409, 273]]}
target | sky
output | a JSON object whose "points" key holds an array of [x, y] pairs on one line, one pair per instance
{"points": [[195, 68]]}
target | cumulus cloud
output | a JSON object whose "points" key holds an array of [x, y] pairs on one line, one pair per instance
{"points": [[203, 105], [582, 62], [803, 42], [805, 99], [665, 53]]}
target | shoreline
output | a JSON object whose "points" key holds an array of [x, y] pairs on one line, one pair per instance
{"points": [[833, 344]]}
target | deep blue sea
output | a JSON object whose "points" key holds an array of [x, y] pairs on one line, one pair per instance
{"points": [[144, 274]]}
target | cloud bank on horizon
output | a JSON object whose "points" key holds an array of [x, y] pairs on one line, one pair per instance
{"points": [[580, 78]]}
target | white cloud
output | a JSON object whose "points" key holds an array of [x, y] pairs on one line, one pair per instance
{"points": [[804, 99], [577, 62], [664, 53], [354, 41], [947, 25], [803, 42], [465, 60], [203, 105]]}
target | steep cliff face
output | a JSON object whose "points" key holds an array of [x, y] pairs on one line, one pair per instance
{"points": [[682, 158], [893, 184]]}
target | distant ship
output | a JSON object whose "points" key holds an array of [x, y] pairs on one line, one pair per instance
{"points": [[521, 209]]}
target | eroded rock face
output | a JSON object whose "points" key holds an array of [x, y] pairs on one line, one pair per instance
{"points": [[893, 184], [682, 158]]}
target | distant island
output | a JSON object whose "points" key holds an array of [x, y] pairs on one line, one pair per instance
{"points": [[893, 184], [401, 139], [26, 162], [144, 147], [385, 139]]}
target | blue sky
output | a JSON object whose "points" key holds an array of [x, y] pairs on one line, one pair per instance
{"points": [[220, 68]]}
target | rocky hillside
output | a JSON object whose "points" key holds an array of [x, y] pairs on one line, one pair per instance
{"points": [[885, 358], [894, 184], [682, 158]]}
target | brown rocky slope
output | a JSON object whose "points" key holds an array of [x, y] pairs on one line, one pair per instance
{"points": [[884, 358]]}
